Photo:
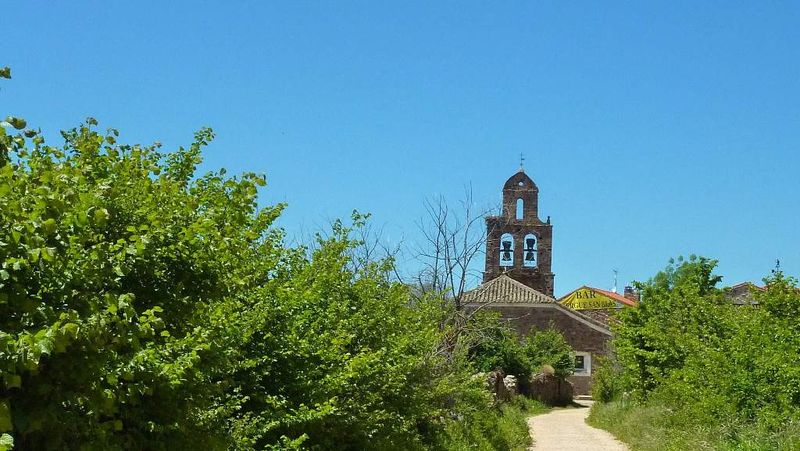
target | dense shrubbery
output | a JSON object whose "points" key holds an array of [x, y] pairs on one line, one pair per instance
{"points": [[142, 307], [498, 347], [486, 431], [145, 307], [702, 363]]}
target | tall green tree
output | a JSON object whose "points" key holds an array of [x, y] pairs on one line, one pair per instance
{"points": [[111, 258], [686, 346], [678, 311], [146, 306]]}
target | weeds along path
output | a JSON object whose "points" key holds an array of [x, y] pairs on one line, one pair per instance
{"points": [[566, 429]]}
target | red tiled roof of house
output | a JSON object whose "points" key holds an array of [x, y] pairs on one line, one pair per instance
{"points": [[616, 296]]}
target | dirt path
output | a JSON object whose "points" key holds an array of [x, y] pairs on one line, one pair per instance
{"points": [[566, 429]]}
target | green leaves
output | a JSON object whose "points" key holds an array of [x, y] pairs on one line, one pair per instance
{"points": [[6, 442], [98, 278], [5, 416], [100, 216], [16, 122], [143, 305], [5, 72], [712, 362]]}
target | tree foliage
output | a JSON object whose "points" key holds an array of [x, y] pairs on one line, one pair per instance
{"points": [[498, 347], [712, 363], [146, 306], [333, 358], [112, 257]]}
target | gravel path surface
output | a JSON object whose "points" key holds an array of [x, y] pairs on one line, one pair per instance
{"points": [[566, 430]]}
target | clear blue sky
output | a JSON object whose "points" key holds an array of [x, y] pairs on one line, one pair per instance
{"points": [[652, 129]]}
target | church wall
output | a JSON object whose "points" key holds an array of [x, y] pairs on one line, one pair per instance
{"points": [[539, 278], [580, 336]]}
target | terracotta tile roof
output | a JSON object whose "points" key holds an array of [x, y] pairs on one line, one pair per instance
{"points": [[504, 289], [616, 296]]}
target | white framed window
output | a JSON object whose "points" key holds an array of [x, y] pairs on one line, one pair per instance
{"points": [[583, 363]]}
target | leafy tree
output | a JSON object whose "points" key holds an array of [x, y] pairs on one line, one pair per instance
{"points": [[495, 346], [144, 306], [678, 311], [548, 347], [111, 256], [709, 363], [331, 357]]}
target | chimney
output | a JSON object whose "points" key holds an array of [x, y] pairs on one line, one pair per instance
{"points": [[631, 294]]}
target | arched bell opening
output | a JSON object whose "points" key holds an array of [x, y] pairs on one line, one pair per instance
{"points": [[506, 250], [530, 252]]}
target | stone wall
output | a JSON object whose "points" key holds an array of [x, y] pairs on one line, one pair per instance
{"points": [[540, 278], [524, 318], [581, 384], [520, 187], [579, 335]]}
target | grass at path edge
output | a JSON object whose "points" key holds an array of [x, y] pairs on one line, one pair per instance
{"points": [[658, 428]]}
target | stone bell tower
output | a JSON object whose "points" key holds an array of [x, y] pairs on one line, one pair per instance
{"points": [[518, 243]]}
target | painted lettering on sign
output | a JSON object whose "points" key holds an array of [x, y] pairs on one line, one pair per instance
{"points": [[586, 299]]}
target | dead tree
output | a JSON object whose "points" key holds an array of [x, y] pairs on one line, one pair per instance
{"points": [[454, 240]]}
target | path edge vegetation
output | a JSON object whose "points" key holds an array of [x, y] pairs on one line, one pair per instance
{"points": [[690, 370], [146, 306]]}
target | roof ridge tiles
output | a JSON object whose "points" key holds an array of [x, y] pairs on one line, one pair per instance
{"points": [[508, 290]]}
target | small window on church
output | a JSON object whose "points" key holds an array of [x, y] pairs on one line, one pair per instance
{"points": [[520, 211], [506, 250], [531, 251]]}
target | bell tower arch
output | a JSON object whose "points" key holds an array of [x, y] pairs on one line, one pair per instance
{"points": [[518, 243]]}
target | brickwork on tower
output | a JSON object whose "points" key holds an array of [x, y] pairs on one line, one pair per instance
{"points": [[536, 274]]}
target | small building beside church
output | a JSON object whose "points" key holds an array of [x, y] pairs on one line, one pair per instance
{"points": [[518, 281]]}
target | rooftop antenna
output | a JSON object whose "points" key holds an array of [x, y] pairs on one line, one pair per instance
{"points": [[614, 290], [777, 266], [521, 162]]}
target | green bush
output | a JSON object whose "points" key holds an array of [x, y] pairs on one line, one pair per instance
{"points": [[503, 427], [495, 346], [605, 381], [111, 259], [722, 372], [548, 347]]}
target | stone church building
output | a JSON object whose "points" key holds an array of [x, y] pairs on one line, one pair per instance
{"points": [[518, 280]]}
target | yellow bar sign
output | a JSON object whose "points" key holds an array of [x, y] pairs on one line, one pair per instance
{"points": [[588, 299]]}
